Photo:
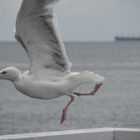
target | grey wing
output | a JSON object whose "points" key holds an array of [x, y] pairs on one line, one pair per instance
{"points": [[37, 31]]}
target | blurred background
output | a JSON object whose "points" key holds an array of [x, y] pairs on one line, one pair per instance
{"points": [[83, 20], [101, 36]]}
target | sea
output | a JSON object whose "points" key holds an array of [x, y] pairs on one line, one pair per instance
{"points": [[116, 104]]}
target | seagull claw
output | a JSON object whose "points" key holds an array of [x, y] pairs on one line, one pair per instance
{"points": [[64, 113], [63, 118], [97, 87]]}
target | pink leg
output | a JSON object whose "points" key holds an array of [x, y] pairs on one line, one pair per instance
{"points": [[64, 113], [97, 86]]}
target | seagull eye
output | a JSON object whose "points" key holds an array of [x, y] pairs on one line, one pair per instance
{"points": [[4, 72]]}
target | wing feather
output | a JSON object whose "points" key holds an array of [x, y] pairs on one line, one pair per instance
{"points": [[38, 33]]}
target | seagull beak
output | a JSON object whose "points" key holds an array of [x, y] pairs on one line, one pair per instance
{"points": [[97, 87]]}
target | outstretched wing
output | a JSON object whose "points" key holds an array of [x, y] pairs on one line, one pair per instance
{"points": [[37, 32]]}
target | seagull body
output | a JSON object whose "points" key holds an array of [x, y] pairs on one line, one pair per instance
{"points": [[50, 73]]}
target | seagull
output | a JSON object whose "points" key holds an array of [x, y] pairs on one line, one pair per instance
{"points": [[49, 75]]}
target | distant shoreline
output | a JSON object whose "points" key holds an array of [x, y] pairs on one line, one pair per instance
{"points": [[64, 41], [121, 38]]}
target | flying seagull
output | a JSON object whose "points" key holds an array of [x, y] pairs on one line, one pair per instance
{"points": [[50, 73]]}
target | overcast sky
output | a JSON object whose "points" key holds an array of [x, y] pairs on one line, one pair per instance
{"points": [[82, 20]]}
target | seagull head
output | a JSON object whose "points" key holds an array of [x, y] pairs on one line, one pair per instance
{"points": [[10, 73]]}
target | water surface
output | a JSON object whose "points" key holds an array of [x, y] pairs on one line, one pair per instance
{"points": [[117, 104]]}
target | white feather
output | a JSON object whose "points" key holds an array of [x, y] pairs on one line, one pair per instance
{"points": [[38, 33]]}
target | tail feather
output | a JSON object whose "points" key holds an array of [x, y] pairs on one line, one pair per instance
{"points": [[86, 76]]}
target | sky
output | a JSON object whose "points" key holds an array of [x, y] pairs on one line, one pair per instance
{"points": [[82, 20]]}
